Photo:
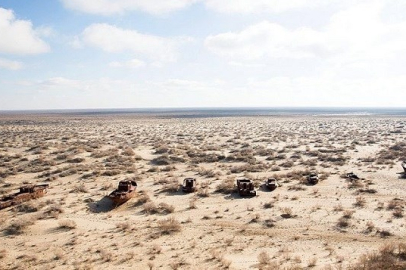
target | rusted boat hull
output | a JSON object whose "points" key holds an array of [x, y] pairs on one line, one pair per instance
{"points": [[121, 198], [26, 193], [124, 192], [189, 185], [271, 184], [270, 187], [246, 188]]}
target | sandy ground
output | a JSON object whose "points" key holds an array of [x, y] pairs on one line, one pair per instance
{"points": [[325, 226]]}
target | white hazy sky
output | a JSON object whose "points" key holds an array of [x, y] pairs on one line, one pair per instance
{"points": [[71, 54]]}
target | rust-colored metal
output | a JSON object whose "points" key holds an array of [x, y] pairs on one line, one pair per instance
{"points": [[313, 178], [352, 176], [271, 184], [124, 192], [246, 187], [26, 193], [189, 185]]}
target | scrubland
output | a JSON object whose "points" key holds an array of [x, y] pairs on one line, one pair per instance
{"points": [[335, 224]]}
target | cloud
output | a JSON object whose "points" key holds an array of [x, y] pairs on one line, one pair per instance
{"points": [[258, 6], [134, 63], [329, 91], [18, 36], [59, 83], [182, 86], [67, 85], [110, 7], [11, 65], [115, 40], [355, 34], [267, 39]]}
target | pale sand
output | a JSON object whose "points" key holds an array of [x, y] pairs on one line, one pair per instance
{"points": [[218, 230]]}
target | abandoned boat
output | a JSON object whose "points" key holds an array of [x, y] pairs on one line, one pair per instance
{"points": [[189, 185], [26, 193], [124, 192]]}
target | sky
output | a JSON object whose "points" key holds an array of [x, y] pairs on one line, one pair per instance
{"points": [[76, 54]]}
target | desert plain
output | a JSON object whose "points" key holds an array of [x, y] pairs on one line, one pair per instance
{"points": [[334, 224]]}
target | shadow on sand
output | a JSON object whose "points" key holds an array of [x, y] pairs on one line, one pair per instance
{"points": [[236, 195], [264, 188], [102, 206], [173, 193]]}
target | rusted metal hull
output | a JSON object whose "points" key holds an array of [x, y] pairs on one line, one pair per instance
{"points": [[26, 193], [271, 184], [124, 192], [121, 197], [352, 176], [189, 185], [246, 188], [313, 180], [270, 187], [188, 189], [247, 193]]}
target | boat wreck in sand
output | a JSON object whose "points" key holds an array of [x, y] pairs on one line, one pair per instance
{"points": [[124, 192], [26, 193]]}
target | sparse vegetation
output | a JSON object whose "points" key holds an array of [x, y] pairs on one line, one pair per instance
{"points": [[160, 226], [226, 186], [388, 257], [18, 226], [263, 258], [67, 224], [169, 226]]}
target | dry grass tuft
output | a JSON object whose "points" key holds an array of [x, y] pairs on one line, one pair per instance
{"points": [[312, 262], [203, 192], [165, 208], [142, 198], [172, 185], [397, 212], [226, 186], [269, 204], [19, 226], [150, 208], [192, 204], [360, 201], [389, 256], [125, 226], [162, 208], [59, 254], [343, 222], [394, 203], [80, 189], [52, 211], [384, 233], [348, 214], [287, 212], [169, 226], [106, 256], [178, 263], [3, 254], [67, 224], [264, 258], [28, 207]]}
